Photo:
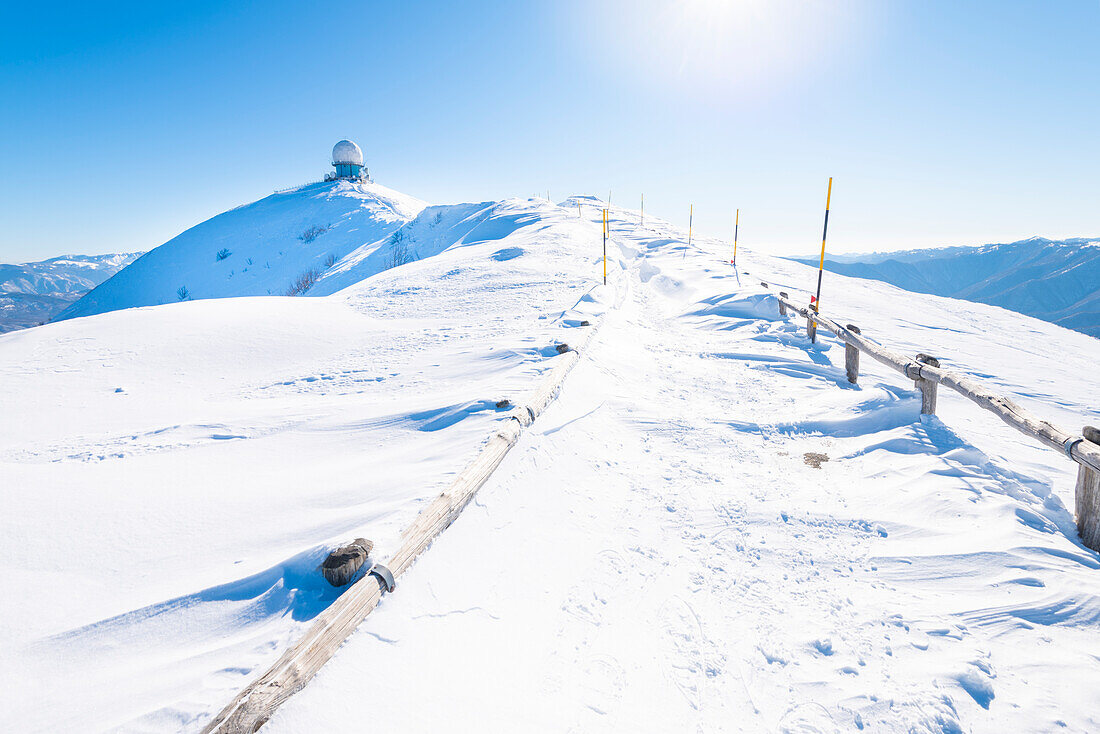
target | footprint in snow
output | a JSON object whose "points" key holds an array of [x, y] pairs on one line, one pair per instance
{"points": [[808, 718], [684, 648]]}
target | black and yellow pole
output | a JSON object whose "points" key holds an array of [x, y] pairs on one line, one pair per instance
{"points": [[736, 224], [816, 303], [605, 247]]}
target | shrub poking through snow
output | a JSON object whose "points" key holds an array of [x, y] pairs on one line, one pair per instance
{"points": [[182, 293], [815, 460], [400, 254], [223, 253], [303, 283], [330, 261], [313, 232]]}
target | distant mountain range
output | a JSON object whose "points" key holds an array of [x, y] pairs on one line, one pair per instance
{"points": [[33, 293], [1053, 280]]}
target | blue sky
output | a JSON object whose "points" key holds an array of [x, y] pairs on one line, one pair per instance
{"points": [[942, 122]]}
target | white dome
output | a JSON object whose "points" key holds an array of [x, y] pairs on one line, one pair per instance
{"points": [[347, 152]]}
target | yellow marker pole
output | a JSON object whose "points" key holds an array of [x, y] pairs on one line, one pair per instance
{"points": [[736, 224], [816, 302], [605, 247], [691, 218]]}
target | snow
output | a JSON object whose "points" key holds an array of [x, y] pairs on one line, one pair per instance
{"points": [[656, 554], [259, 249]]}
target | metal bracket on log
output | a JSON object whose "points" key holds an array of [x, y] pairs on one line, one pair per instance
{"points": [[385, 577]]}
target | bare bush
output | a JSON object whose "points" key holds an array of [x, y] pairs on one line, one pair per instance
{"points": [[183, 294], [303, 282], [313, 232], [400, 254], [330, 261], [223, 254]]}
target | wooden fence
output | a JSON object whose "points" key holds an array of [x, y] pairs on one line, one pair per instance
{"points": [[926, 373], [257, 702]]}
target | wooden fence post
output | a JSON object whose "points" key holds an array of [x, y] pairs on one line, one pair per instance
{"points": [[811, 325], [1087, 498], [782, 306], [927, 387], [851, 356]]}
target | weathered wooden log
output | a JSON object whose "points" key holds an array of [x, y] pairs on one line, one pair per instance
{"points": [[1087, 501], [1083, 452], [562, 348], [343, 563], [253, 706], [926, 386], [782, 305], [1087, 496], [851, 357], [811, 324]]}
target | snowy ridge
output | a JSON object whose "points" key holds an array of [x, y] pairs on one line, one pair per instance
{"points": [[658, 553], [263, 248]]}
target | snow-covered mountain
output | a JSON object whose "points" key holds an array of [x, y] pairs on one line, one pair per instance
{"points": [[1053, 280], [280, 245], [709, 530], [33, 293]]}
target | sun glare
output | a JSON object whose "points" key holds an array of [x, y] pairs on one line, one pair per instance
{"points": [[730, 44]]}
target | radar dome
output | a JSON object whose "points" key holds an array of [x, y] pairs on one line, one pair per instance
{"points": [[348, 153]]}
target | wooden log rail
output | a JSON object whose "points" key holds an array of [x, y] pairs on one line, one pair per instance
{"points": [[257, 702], [927, 373]]}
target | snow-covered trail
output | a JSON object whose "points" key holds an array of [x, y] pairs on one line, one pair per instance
{"points": [[658, 555]]}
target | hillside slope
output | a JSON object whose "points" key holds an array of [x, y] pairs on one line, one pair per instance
{"points": [[260, 249], [196, 481], [33, 293], [1053, 280]]}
